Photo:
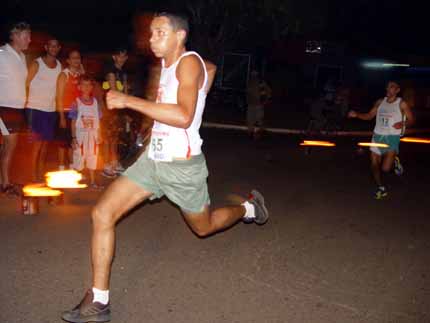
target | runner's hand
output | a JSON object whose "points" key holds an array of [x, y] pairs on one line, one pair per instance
{"points": [[115, 100], [398, 125], [75, 144], [352, 114], [62, 122]]}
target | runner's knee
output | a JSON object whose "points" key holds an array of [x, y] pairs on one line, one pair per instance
{"points": [[386, 168], [201, 231], [102, 217]]}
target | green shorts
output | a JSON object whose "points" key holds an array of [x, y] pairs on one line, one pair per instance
{"points": [[184, 182], [392, 141]]}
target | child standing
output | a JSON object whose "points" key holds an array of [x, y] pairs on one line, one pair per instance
{"points": [[85, 115]]}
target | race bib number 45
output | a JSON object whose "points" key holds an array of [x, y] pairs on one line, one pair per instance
{"points": [[159, 147]]}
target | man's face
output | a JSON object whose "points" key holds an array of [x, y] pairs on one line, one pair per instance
{"points": [[86, 87], [120, 58], [21, 39], [74, 60], [52, 47], [392, 89], [163, 38]]}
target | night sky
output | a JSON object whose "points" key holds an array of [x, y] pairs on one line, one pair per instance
{"points": [[365, 26]]}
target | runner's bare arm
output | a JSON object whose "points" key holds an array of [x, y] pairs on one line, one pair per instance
{"points": [[32, 71], [73, 128], [407, 111], [211, 70], [190, 76], [368, 115]]}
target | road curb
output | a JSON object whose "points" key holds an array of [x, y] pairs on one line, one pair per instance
{"points": [[302, 132]]}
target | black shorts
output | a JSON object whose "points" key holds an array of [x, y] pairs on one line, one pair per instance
{"points": [[12, 121]]}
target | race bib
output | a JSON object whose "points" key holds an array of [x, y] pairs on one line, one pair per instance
{"points": [[159, 149], [384, 120], [88, 123]]}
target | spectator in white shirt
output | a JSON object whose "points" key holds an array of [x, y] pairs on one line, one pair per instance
{"points": [[13, 74]]}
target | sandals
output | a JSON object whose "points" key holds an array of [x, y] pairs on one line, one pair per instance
{"points": [[11, 190]]}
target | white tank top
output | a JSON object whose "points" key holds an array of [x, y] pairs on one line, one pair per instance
{"points": [[168, 142], [88, 116], [387, 115], [43, 87]]}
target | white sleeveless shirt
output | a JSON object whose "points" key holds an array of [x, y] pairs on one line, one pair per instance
{"points": [[13, 74], [168, 142], [387, 115], [88, 118], [43, 87]]}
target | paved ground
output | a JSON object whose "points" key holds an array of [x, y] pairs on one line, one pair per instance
{"points": [[330, 253]]}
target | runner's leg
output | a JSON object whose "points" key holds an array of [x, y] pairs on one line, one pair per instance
{"points": [[121, 196]]}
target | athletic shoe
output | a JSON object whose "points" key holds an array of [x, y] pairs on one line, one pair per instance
{"points": [[88, 311], [398, 168], [381, 192], [261, 212]]}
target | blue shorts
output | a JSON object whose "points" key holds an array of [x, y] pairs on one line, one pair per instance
{"points": [[42, 124], [392, 141]]}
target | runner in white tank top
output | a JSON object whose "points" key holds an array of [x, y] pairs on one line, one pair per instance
{"points": [[178, 143], [392, 115], [173, 165]]}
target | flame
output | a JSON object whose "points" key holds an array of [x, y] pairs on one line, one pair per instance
{"points": [[372, 144], [416, 140], [317, 143], [64, 179], [40, 190]]}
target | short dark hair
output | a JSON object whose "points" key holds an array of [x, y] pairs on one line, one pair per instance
{"points": [[86, 78], [72, 51], [120, 50], [397, 82], [18, 27], [177, 21]]}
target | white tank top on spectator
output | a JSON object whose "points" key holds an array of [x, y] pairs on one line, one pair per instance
{"points": [[43, 87], [387, 115], [13, 74], [167, 142]]}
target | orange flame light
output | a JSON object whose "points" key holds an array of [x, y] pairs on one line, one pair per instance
{"points": [[64, 179], [416, 140], [39, 190], [372, 144], [317, 143]]}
